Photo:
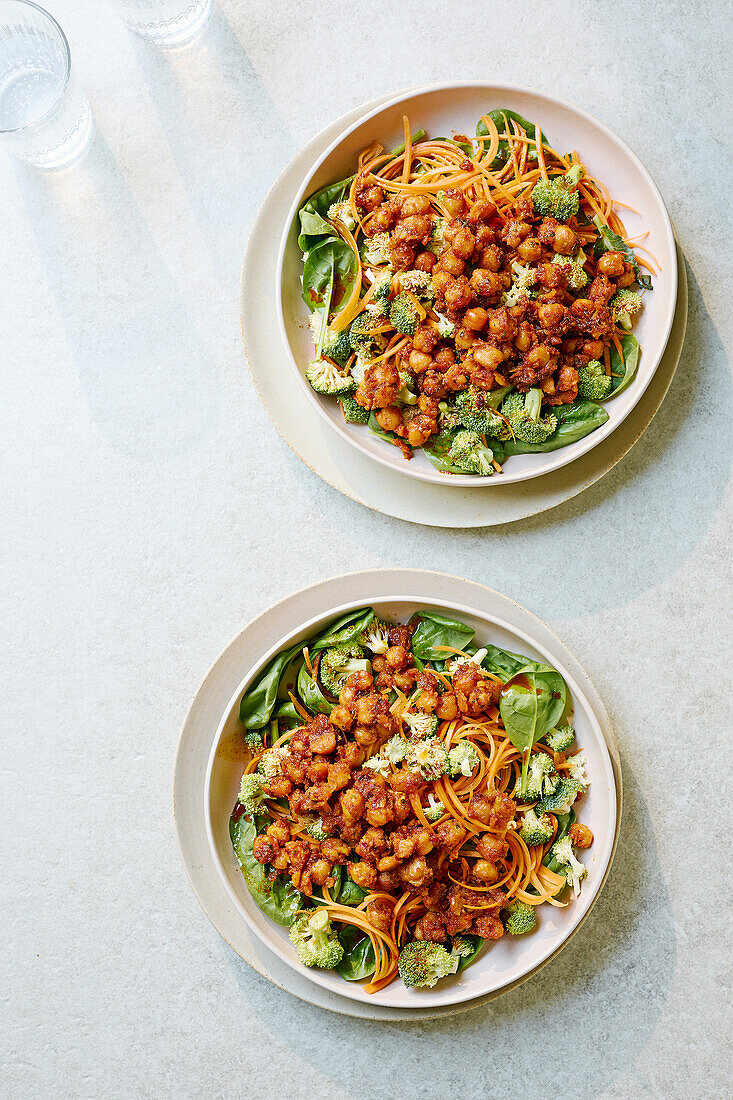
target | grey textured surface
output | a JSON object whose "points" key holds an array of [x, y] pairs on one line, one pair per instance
{"points": [[151, 509]]}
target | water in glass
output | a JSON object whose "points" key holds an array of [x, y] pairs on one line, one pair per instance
{"points": [[165, 22]]}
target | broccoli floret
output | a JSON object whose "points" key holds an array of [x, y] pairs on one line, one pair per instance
{"points": [[446, 328], [378, 764], [476, 659], [375, 637], [557, 197], [418, 283], [337, 664], [335, 345], [251, 794], [520, 918], [353, 412], [437, 242], [573, 271], [423, 963], [315, 940], [366, 344], [254, 739], [447, 416], [421, 725], [316, 830], [434, 809], [523, 413], [470, 455], [624, 304], [476, 410], [427, 757], [561, 799], [523, 279], [341, 212], [460, 947], [593, 382], [326, 378], [378, 249], [572, 868], [560, 739], [396, 749], [463, 758], [541, 779], [576, 769], [378, 304], [405, 395], [404, 315], [271, 762], [536, 830]]}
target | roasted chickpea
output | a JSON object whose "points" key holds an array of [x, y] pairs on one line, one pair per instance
{"points": [[538, 357], [611, 264], [452, 263], [454, 203], [530, 249], [580, 835], [550, 314], [441, 281], [419, 361], [419, 204], [523, 339], [461, 240], [490, 258], [485, 871], [475, 318], [390, 418], [593, 348], [425, 261], [464, 338], [487, 356], [565, 240]]}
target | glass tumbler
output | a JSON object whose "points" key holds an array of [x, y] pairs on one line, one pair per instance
{"points": [[165, 22], [44, 117]]}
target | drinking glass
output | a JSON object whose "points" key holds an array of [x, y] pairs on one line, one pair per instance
{"points": [[165, 22], [44, 117]]}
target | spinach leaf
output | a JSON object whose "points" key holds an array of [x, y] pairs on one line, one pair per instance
{"points": [[504, 152], [466, 960], [350, 893], [624, 375], [502, 663], [259, 700], [376, 429], [358, 960], [343, 631], [575, 421], [338, 875], [311, 694], [329, 266], [608, 241], [437, 449], [279, 899], [436, 630], [286, 712], [465, 146], [531, 704], [312, 214], [564, 822]]}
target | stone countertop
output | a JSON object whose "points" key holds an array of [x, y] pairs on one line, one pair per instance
{"points": [[151, 510]]}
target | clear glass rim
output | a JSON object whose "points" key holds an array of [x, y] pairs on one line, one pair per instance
{"points": [[67, 52]]}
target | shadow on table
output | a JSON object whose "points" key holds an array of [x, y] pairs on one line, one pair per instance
{"points": [[601, 997], [147, 368], [223, 130], [643, 518]]}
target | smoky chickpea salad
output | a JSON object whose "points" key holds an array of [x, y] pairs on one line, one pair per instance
{"points": [[473, 297]]}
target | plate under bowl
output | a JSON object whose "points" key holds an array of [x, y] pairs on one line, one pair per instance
{"points": [[455, 108], [501, 964]]}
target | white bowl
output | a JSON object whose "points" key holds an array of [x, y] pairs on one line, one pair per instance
{"points": [[510, 958], [455, 108]]}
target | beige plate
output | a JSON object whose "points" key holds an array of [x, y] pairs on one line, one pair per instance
{"points": [[212, 699], [355, 474]]}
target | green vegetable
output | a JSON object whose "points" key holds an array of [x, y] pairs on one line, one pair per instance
{"points": [[376, 637], [329, 269], [556, 197], [279, 900], [421, 725], [427, 757], [524, 414], [259, 700], [435, 630], [466, 948], [315, 940], [470, 455], [573, 270], [608, 241], [350, 893], [344, 630], [540, 779], [353, 412], [572, 868], [403, 315], [504, 151], [593, 382], [574, 422], [623, 375], [310, 693], [332, 345], [314, 212], [521, 918], [423, 963], [530, 705], [463, 759], [564, 821], [286, 712], [438, 449], [561, 738], [536, 830], [476, 410], [366, 344], [250, 792], [623, 305], [561, 799], [396, 749], [326, 379], [338, 664], [358, 961]]}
